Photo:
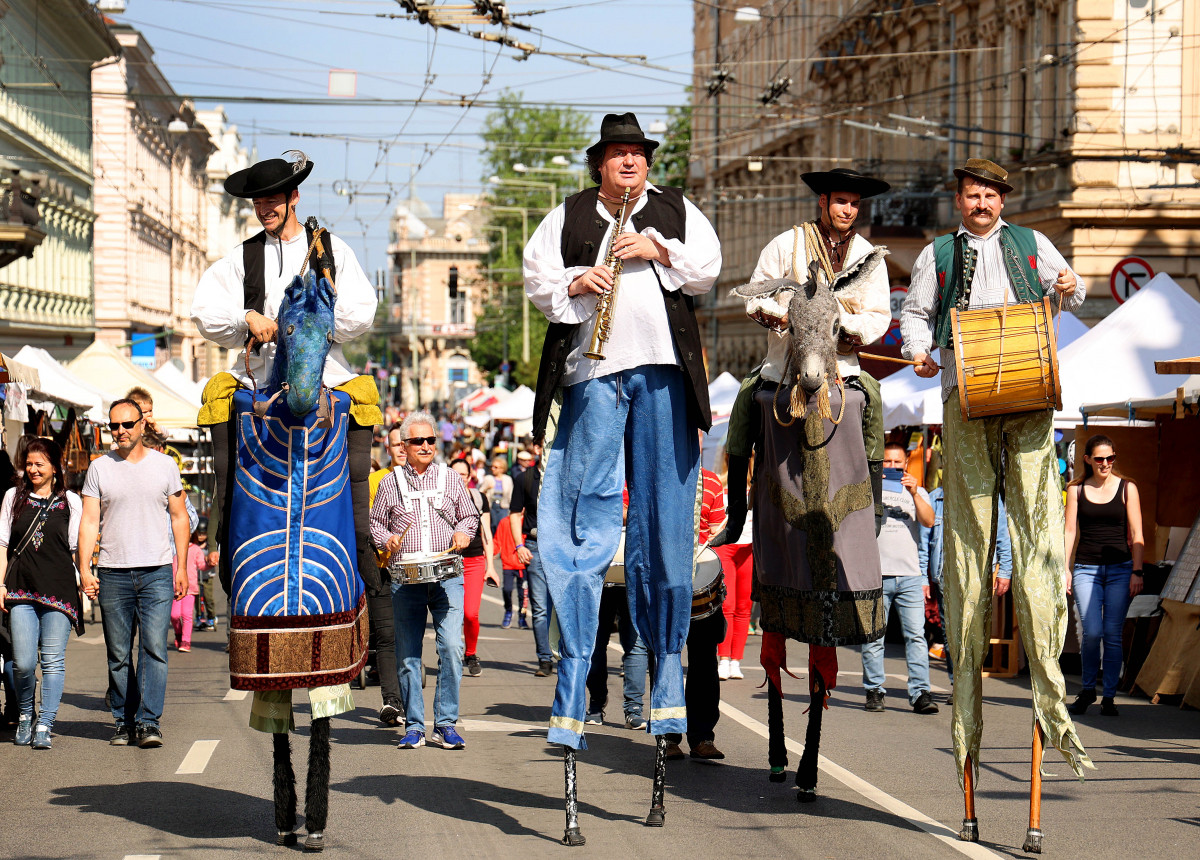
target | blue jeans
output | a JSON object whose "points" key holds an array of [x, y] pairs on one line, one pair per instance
{"points": [[1102, 599], [614, 605], [137, 600], [539, 601], [908, 595], [629, 428], [410, 603], [39, 628]]}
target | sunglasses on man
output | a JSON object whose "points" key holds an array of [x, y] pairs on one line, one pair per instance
{"points": [[422, 440], [128, 425]]}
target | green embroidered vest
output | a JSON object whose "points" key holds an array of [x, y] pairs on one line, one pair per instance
{"points": [[954, 262]]}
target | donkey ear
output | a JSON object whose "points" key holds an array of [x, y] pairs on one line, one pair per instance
{"points": [[294, 291], [327, 292]]}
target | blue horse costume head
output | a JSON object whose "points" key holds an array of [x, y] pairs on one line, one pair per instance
{"points": [[305, 336]]}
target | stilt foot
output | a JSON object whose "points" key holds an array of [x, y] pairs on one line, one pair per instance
{"points": [[970, 830], [806, 795], [315, 841], [572, 837], [1033, 841], [657, 817], [777, 774]]}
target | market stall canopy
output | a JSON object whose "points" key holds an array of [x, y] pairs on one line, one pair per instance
{"points": [[175, 380], [60, 385], [516, 407], [1115, 359], [1147, 409], [909, 400], [721, 394], [103, 366], [483, 399]]}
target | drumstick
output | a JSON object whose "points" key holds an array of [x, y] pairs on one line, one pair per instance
{"points": [[894, 359]]}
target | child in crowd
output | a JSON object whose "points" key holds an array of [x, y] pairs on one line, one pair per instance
{"points": [[182, 609], [206, 610]]}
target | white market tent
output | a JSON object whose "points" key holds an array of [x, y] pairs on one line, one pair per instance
{"points": [[1115, 359], [518, 406], [174, 379], [101, 365], [1146, 409], [62, 385], [721, 393]]}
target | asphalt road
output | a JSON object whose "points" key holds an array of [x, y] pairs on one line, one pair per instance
{"points": [[888, 787]]}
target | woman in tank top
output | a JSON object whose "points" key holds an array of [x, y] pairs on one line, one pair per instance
{"points": [[1104, 566]]}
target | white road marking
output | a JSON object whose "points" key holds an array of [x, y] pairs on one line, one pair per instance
{"points": [[197, 758], [874, 795], [236, 695], [93, 640], [143, 857], [490, 599]]}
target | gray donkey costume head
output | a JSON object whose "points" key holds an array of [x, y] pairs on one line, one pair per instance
{"points": [[812, 321]]}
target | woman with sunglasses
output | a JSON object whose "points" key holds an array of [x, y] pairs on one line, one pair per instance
{"points": [[39, 526], [1104, 566]]}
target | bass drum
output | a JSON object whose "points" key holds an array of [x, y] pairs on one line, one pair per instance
{"points": [[708, 585]]}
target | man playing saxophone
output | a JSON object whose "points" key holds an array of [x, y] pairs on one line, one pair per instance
{"points": [[628, 419]]}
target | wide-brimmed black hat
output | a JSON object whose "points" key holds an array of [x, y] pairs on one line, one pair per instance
{"points": [[620, 128], [844, 179], [266, 178], [987, 171]]}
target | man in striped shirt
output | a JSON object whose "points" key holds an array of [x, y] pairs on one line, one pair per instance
{"points": [[424, 508], [984, 263]]}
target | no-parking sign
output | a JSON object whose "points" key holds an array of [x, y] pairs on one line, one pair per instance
{"points": [[1128, 276]]}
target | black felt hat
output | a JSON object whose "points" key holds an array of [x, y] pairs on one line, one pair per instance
{"points": [[266, 178], [844, 179], [620, 128]]}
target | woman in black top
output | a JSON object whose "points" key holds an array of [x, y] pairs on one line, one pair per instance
{"points": [[39, 525], [1104, 566]]}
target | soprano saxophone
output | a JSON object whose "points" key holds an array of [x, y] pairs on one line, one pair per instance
{"points": [[607, 302]]}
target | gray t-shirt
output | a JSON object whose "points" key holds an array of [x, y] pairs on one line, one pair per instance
{"points": [[133, 497], [900, 532]]}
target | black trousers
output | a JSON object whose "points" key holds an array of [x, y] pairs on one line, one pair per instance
{"points": [[614, 608], [383, 640], [358, 440], [702, 686]]}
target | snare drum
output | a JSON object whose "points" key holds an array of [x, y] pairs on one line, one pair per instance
{"points": [[1016, 373], [708, 585], [423, 568]]}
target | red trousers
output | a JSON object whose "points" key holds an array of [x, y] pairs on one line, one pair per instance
{"points": [[738, 563], [474, 570]]}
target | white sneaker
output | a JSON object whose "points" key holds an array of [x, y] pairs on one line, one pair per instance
{"points": [[735, 670], [723, 669]]}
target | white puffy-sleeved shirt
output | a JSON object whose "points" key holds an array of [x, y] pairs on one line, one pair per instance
{"points": [[219, 312], [868, 324], [641, 333]]}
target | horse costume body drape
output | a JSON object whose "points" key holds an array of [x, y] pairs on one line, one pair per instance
{"points": [[299, 607]]}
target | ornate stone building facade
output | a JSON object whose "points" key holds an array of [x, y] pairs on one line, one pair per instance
{"points": [[151, 208], [46, 48], [428, 331], [1092, 105]]}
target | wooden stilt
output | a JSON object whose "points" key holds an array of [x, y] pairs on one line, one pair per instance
{"points": [[657, 815], [970, 825], [571, 836], [1033, 836]]}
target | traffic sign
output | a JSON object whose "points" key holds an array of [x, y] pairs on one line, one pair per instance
{"points": [[1128, 276]]}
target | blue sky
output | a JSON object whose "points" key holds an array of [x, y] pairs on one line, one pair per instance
{"points": [[285, 48]]}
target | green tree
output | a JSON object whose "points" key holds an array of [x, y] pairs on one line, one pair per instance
{"points": [[671, 157], [515, 134]]}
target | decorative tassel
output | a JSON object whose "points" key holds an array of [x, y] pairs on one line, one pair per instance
{"points": [[798, 400], [823, 408]]}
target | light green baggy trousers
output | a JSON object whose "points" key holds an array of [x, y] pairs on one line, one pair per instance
{"points": [[1018, 449]]}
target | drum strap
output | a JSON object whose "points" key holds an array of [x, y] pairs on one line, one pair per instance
{"points": [[412, 500]]}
